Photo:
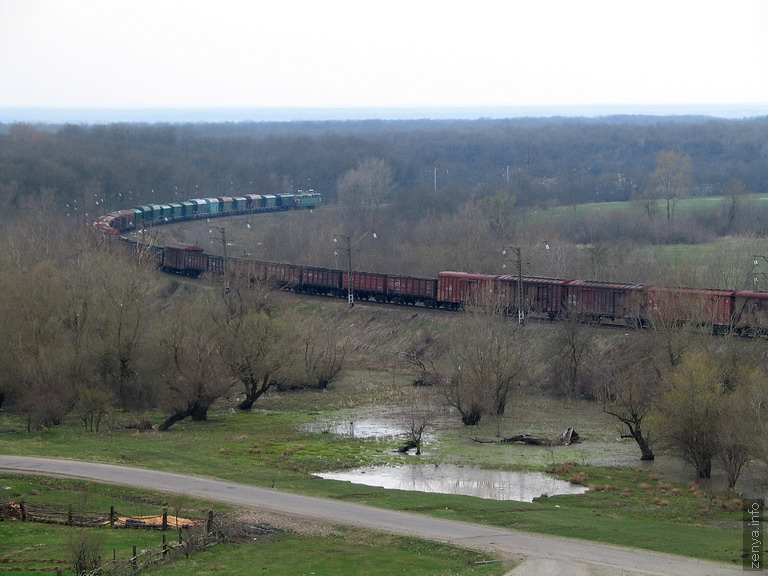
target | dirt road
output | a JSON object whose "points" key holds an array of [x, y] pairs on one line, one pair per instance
{"points": [[540, 555]]}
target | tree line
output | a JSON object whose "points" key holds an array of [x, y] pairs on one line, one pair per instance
{"points": [[93, 332], [672, 387], [90, 328], [541, 162]]}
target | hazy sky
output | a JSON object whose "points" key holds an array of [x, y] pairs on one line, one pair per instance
{"points": [[361, 53]]}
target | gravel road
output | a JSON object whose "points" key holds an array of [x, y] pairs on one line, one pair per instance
{"points": [[538, 555]]}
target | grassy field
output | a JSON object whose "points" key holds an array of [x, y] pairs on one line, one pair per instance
{"points": [[294, 549], [291, 435]]}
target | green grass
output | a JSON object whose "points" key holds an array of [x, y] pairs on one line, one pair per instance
{"points": [[39, 548], [275, 448], [350, 554], [38, 543]]}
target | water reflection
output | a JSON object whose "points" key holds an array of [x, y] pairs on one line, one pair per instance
{"points": [[448, 479], [358, 428]]}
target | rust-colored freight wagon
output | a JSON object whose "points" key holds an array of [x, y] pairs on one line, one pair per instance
{"points": [[457, 289], [322, 281], [367, 285], [545, 295], [284, 276], [600, 300], [750, 310], [184, 259], [714, 307], [411, 290]]}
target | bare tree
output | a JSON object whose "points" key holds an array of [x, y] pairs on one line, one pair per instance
{"points": [[251, 340], [369, 184], [735, 192], [485, 360], [39, 347], [570, 349], [627, 390], [417, 416], [500, 213], [321, 349], [671, 178], [194, 376]]}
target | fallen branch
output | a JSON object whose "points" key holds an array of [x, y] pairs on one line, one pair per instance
{"points": [[568, 437]]}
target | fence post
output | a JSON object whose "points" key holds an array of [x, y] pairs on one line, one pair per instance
{"points": [[69, 516], [165, 546], [112, 516], [23, 510], [165, 519], [209, 524], [134, 564]]}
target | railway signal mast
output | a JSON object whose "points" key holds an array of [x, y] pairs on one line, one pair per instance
{"points": [[518, 261], [349, 245]]}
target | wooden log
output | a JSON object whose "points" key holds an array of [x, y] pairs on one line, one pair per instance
{"points": [[570, 436]]}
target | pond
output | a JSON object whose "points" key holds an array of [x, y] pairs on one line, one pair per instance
{"points": [[450, 479]]}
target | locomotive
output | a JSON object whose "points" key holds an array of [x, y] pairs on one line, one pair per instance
{"points": [[553, 298]]}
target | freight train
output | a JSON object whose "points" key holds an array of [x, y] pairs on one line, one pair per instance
{"points": [[115, 223], [552, 298]]}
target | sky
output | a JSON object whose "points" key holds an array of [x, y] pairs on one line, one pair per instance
{"points": [[365, 53]]}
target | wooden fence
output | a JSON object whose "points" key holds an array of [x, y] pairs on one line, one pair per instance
{"points": [[192, 535]]}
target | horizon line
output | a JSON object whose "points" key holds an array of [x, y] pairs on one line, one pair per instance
{"points": [[170, 114]]}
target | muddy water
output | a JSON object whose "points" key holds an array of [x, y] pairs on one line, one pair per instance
{"points": [[599, 450], [449, 479]]}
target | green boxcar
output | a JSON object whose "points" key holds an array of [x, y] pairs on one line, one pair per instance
{"points": [[268, 202], [203, 208], [157, 213], [239, 203], [188, 209], [177, 211], [285, 201], [147, 214], [213, 205], [225, 204]]}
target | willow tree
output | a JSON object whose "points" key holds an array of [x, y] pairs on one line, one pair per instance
{"points": [[194, 376], [485, 361], [627, 388], [251, 338]]}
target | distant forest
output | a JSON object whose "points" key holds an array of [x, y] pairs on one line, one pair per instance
{"points": [[436, 164]]}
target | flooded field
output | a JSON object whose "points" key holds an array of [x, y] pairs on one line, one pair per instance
{"points": [[449, 479], [448, 445]]}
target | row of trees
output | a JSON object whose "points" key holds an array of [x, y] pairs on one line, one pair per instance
{"points": [[672, 386], [89, 328], [541, 162], [92, 329], [616, 243]]}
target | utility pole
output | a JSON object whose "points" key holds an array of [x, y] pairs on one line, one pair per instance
{"points": [[350, 287], [223, 231], [349, 245], [518, 261]]}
